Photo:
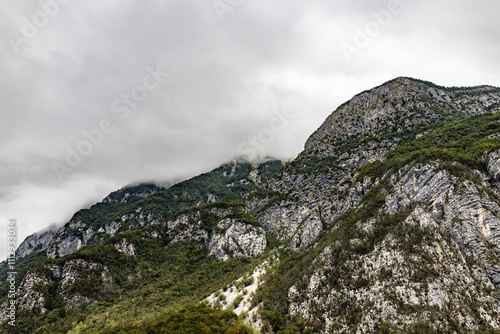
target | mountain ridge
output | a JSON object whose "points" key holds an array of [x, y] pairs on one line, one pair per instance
{"points": [[388, 221]]}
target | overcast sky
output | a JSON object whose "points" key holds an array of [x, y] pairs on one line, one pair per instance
{"points": [[95, 95]]}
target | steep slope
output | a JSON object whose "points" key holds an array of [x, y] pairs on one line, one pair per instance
{"points": [[395, 229], [212, 243], [374, 121], [319, 185], [228, 182], [94, 216]]}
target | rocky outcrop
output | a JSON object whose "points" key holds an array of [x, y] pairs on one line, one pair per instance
{"points": [[125, 247], [28, 295], [76, 233], [36, 242], [462, 208], [33, 289], [300, 206], [494, 165], [69, 239], [237, 240], [79, 270], [306, 233], [224, 237], [112, 228]]}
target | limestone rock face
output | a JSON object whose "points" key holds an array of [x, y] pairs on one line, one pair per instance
{"points": [[29, 296], [125, 247], [36, 242], [300, 207], [238, 240], [225, 239], [64, 244], [306, 233], [463, 209], [75, 270], [76, 234], [446, 206], [494, 164], [33, 288], [387, 279]]}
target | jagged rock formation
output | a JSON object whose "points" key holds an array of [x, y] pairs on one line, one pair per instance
{"points": [[463, 209], [215, 228], [72, 280], [36, 242], [125, 247]]}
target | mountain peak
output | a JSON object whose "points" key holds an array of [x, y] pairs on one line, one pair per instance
{"points": [[395, 111]]}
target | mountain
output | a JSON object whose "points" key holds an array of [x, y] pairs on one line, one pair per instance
{"points": [[387, 222], [122, 209], [73, 241]]}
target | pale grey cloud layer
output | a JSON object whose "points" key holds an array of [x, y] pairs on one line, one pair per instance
{"points": [[89, 78]]}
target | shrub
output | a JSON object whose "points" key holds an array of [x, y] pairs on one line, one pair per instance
{"points": [[237, 301]]}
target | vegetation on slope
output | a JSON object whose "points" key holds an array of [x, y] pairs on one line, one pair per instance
{"points": [[146, 288], [465, 140], [227, 183], [103, 212], [197, 318]]}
